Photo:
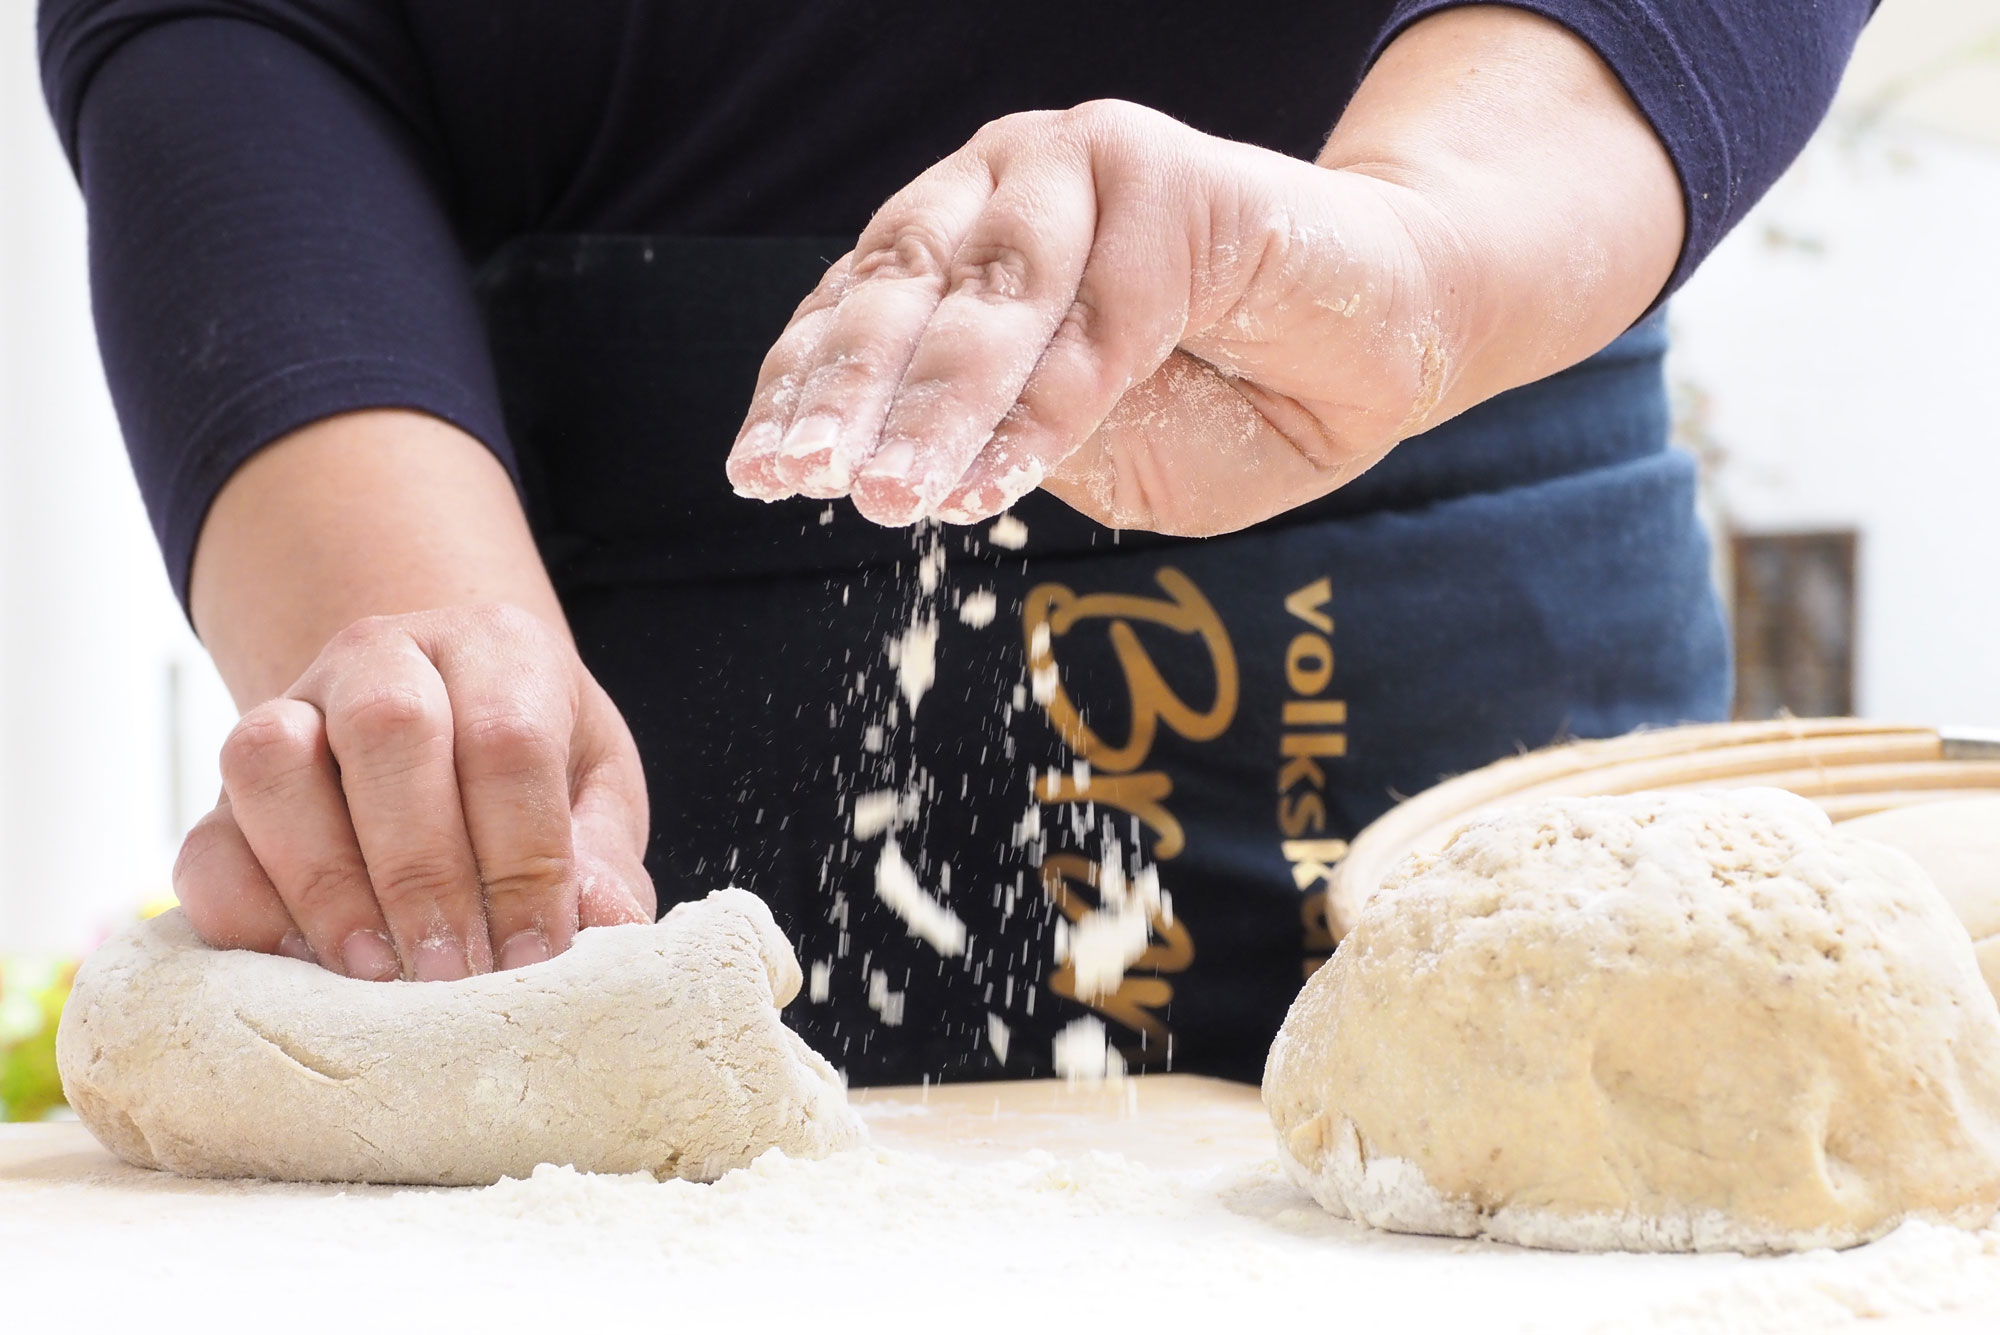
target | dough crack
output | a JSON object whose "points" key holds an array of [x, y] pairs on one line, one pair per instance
{"points": [[311, 1062]]}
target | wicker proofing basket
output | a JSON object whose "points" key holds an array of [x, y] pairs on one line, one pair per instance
{"points": [[1851, 767]]}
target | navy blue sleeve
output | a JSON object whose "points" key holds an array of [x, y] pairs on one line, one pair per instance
{"points": [[268, 247], [1734, 88]]}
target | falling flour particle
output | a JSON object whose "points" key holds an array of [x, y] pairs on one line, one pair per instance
{"points": [[821, 986], [1108, 939], [930, 568], [1084, 1055], [1008, 532], [1042, 679], [979, 608], [927, 920], [914, 655], [883, 1000], [998, 1035], [1101, 946], [878, 811]]}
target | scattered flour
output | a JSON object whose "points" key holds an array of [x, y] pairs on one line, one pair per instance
{"points": [[882, 810], [1008, 532], [1043, 677], [928, 920], [1099, 1234], [999, 1035], [914, 656], [1105, 941], [1084, 1055], [978, 608], [884, 1000], [984, 1240]]}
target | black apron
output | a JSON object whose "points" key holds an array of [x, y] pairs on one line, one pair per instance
{"points": [[1228, 710]]}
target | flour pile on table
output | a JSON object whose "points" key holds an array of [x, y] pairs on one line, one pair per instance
{"points": [[1099, 1236]]}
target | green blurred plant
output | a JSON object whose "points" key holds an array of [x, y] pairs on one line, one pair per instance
{"points": [[32, 993]]}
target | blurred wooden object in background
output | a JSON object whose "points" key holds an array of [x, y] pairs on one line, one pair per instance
{"points": [[1795, 623]]}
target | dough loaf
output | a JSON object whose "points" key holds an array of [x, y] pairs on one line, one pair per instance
{"points": [[1659, 1022], [651, 1047], [1958, 843]]}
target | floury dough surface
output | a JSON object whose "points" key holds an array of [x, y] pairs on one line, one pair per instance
{"points": [[1958, 844], [1658, 1022], [649, 1048]]}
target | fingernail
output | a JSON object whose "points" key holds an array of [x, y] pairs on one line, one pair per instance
{"points": [[525, 947], [811, 459], [750, 466], [440, 959], [368, 954], [811, 436], [294, 945], [762, 438], [893, 459]]}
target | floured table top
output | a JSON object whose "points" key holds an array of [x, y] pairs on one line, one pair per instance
{"points": [[1004, 1206]]}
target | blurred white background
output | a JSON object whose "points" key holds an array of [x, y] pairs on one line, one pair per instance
{"points": [[1838, 357]]}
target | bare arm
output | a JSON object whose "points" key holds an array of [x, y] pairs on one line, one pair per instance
{"points": [[368, 514], [1563, 208], [1176, 332], [425, 781]]}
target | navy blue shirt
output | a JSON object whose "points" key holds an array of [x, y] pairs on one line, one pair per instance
{"points": [[288, 198]]}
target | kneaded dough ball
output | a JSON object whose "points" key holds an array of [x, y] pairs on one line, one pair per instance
{"points": [[1664, 1022], [1958, 844], [653, 1047]]}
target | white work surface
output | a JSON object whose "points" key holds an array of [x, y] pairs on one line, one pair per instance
{"points": [[1155, 1205]]}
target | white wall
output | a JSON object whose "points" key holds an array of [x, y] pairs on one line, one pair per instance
{"points": [[88, 627], [1844, 344]]}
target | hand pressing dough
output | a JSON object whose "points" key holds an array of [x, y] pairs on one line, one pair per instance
{"points": [[652, 1047], [1662, 1022], [1958, 843]]}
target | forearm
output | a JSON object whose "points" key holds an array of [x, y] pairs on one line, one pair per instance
{"points": [[1548, 212], [368, 514]]}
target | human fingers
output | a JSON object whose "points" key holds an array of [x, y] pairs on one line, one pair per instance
{"points": [[609, 817], [754, 460], [847, 365], [389, 723], [229, 901], [285, 795], [512, 690], [1127, 311], [1008, 288]]}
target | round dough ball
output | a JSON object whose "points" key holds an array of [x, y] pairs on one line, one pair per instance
{"points": [[1663, 1022], [1958, 843]]}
